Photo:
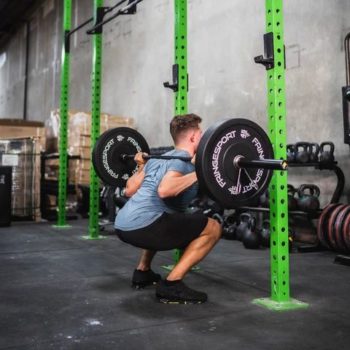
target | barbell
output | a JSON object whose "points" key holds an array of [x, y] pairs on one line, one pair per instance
{"points": [[239, 161], [234, 160]]}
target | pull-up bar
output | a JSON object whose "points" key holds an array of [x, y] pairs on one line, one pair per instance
{"points": [[80, 26], [68, 34], [125, 10]]}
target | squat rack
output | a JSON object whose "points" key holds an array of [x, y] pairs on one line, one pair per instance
{"points": [[273, 60], [99, 13]]}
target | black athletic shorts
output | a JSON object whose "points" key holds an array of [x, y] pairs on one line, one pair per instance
{"points": [[169, 231]]}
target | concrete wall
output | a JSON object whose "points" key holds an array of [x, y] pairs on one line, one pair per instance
{"points": [[224, 37], [12, 67], [43, 31]]}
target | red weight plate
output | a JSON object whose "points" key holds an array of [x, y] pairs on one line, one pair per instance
{"points": [[346, 232], [322, 224], [331, 226], [339, 227]]}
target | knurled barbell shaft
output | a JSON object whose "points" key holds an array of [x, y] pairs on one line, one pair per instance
{"points": [[130, 156], [272, 164]]}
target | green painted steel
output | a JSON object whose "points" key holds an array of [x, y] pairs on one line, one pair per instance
{"points": [[291, 304], [181, 55], [279, 259], [181, 96], [95, 125], [63, 157], [177, 255], [277, 132]]}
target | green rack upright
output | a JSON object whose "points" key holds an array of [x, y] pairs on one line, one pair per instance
{"points": [[64, 100], [275, 65], [95, 118], [181, 94], [180, 75]]}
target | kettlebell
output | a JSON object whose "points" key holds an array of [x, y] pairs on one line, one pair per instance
{"points": [[308, 198], [292, 201], [230, 219], [218, 218], [264, 199], [229, 232], [314, 149], [198, 204], [215, 207], [290, 153], [212, 208], [302, 154], [327, 156], [244, 219], [251, 239], [346, 91], [265, 233]]}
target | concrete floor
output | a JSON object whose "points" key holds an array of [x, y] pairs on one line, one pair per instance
{"points": [[59, 291]]}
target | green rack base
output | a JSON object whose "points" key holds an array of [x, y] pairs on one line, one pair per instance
{"points": [[61, 226], [270, 304], [170, 267]]}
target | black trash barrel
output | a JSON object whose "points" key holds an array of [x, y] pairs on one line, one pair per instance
{"points": [[5, 195]]}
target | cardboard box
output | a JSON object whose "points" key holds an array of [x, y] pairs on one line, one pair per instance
{"points": [[52, 170], [79, 128], [79, 140], [85, 164], [85, 140], [83, 177], [17, 128], [26, 175], [85, 152]]}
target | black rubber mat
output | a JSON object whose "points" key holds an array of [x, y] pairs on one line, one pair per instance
{"points": [[59, 291]]}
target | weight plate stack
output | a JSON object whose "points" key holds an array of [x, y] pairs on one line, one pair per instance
{"points": [[346, 232], [340, 230], [331, 226], [322, 227]]}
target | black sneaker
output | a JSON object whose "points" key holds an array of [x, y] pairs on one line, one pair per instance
{"points": [[179, 293], [142, 279]]}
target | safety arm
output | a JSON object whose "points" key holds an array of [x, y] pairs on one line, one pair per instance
{"points": [[174, 183], [135, 181]]}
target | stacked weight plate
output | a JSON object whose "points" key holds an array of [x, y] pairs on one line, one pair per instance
{"points": [[334, 227]]}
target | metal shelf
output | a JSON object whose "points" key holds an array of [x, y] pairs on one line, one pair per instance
{"points": [[313, 215], [327, 166], [320, 166]]}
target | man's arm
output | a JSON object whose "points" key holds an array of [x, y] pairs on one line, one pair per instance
{"points": [[135, 181], [173, 183]]}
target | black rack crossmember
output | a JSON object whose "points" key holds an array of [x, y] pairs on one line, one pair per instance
{"points": [[129, 9]]}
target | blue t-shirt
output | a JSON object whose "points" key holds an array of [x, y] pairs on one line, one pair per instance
{"points": [[145, 206]]}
